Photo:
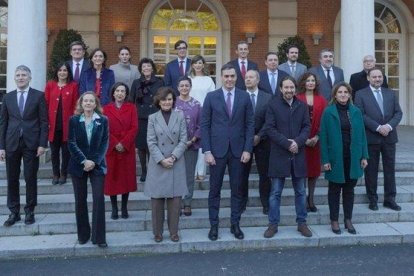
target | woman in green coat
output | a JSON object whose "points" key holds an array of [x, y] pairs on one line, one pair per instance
{"points": [[344, 153]]}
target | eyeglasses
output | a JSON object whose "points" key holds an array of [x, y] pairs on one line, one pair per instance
{"points": [[181, 48]]}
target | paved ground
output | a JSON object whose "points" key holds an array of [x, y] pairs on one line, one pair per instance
{"points": [[355, 260]]}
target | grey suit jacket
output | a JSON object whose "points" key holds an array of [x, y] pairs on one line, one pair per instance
{"points": [[163, 141], [34, 121], [324, 88], [300, 70], [365, 100]]}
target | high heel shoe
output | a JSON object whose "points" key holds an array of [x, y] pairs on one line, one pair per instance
{"points": [[310, 208], [348, 225], [335, 227]]}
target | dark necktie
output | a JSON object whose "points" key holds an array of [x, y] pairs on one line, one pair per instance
{"points": [[243, 69], [76, 76], [181, 68], [328, 77], [253, 99], [228, 104], [21, 102]]}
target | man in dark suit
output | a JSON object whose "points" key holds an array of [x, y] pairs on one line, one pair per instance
{"points": [[382, 114], [359, 80], [328, 74], [78, 64], [178, 67], [227, 129], [292, 66], [23, 135], [287, 127], [242, 64], [260, 101], [271, 77]]}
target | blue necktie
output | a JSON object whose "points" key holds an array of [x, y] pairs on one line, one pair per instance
{"points": [[273, 83]]}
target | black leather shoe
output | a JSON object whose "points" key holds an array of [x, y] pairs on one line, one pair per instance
{"points": [[348, 225], [114, 214], [82, 241], [55, 180], [124, 214], [102, 245], [373, 206], [29, 218], [213, 233], [13, 218], [236, 231], [335, 227], [392, 205], [143, 178], [62, 179]]}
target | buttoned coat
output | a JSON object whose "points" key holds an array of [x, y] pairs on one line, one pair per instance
{"points": [[88, 80], [373, 118], [285, 122], [221, 133], [332, 147], [300, 69], [80, 149], [34, 122], [70, 95], [324, 88], [163, 141]]}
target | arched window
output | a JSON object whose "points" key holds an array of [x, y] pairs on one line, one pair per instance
{"points": [[388, 40], [190, 20], [3, 49]]}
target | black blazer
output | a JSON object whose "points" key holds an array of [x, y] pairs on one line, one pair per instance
{"points": [[262, 102], [80, 149], [85, 66], [34, 121], [359, 81], [264, 83], [365, 100], [240, 81]]}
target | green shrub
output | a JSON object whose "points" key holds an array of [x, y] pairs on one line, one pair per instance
{"points": [[60, 51], [300, 43]]}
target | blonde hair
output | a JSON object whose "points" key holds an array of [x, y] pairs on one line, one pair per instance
{"points": [[79, 109]]}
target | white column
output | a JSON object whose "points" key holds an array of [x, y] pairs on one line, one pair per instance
{"points": [[26, 40], [357, 34]]}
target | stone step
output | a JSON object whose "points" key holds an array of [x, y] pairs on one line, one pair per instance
{"points": [[64, 223], [45, 170], [66, 245], [64, 203], [45, 186]]}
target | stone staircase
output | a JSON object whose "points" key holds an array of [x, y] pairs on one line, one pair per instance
{"points": [[54, 233]]}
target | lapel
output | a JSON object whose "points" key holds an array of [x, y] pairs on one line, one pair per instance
{"points": [[235, 102], [96, 125], [266, 82], [29, 101], [14, 106], [117, 113], [373, 99], [161, 122], [322, 73], [260, 102]]}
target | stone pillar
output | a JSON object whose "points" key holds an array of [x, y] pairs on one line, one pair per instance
{"points": [[26, 40], [357, 34]]}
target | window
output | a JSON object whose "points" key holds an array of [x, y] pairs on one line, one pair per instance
{"points": [[387, 44], [190, 20]]}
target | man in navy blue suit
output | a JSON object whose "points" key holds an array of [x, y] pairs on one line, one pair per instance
{"points": [[242, 64], [178, 67], [227, 130], [271, 77]]}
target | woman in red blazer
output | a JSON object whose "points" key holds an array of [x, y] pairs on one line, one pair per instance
{"points": [[308, 93], [121, 178], [61, 95]]}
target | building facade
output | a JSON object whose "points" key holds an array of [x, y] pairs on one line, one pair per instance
{"points": [[353, 28]]}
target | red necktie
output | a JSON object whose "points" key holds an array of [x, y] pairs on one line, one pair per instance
{"points": [[181, 68], [243, 69]]}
